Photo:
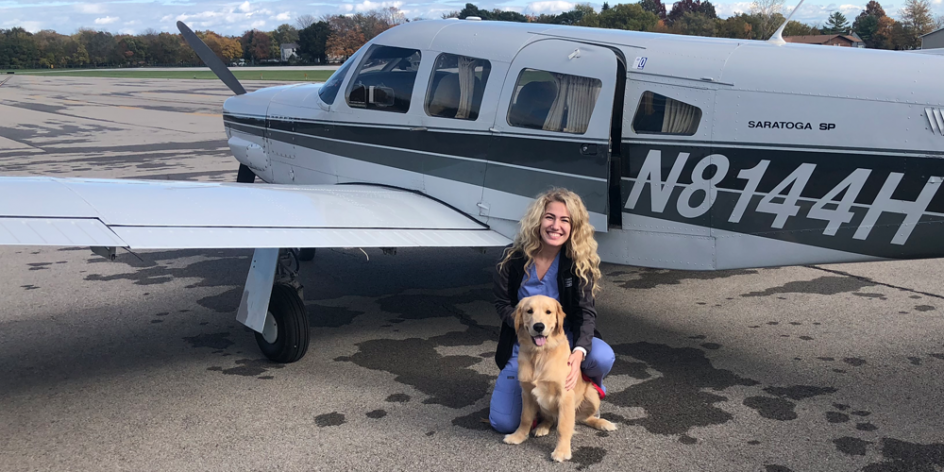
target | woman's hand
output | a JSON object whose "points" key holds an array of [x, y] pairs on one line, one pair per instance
{"points": [[576, 358]]}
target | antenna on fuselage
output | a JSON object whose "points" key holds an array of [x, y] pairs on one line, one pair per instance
{"points": [[777, 38]]}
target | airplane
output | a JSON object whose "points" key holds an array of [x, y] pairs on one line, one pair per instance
{"points": [[690, 153]]}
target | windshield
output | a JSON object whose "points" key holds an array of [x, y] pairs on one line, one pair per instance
{"points": [[329, 91]]}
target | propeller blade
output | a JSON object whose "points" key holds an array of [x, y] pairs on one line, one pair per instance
{"points": [[210, 59]]}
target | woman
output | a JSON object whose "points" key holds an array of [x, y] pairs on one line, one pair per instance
{"points": [[554, 254]]}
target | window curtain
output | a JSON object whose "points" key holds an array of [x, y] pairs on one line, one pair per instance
{"points": [[576, 95], [466, 86], [679, 117]]}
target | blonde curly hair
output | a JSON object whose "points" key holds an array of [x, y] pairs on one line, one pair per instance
{"points": [[581, 246]]}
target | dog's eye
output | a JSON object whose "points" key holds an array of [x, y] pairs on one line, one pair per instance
{"points": [[530, 311], [547, 312]]}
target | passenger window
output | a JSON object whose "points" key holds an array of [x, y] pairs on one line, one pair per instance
{"points": [[658, 114], [385, 79], [553, 102], [329, 91], [456, 88]]}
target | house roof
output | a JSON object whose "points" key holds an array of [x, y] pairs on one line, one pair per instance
{"points": [[935, 31], [289, 46], [820, 38]]}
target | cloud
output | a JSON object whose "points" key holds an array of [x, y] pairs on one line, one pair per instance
{"points": [[346, 7], [90, 8], [368, 5], [257, 24], [106, 20], [724, 10], [551, 6], [284, 16], [245, 7]]}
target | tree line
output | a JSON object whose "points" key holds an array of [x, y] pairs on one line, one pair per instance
{"points": [[336, 37]]}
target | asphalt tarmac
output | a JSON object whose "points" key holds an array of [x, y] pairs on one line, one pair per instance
{"points": [[139, 364]]}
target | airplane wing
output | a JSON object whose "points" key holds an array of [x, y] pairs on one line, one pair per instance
{"points": [[140, 214]]}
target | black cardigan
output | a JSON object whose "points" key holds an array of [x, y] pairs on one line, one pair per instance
{"points": [[576, 299]]}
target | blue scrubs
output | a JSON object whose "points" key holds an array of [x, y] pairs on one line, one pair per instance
{"points": [[505, 408]]}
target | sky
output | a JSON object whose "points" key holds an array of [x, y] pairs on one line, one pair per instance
{"points": [[232, 18]]}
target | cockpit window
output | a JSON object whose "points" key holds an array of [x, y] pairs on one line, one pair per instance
{"points": [[456, 87], [329, 91], [385, 79], [658, 114], [553, 102]]}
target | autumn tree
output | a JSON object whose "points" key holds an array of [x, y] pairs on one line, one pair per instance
{"points": [[346, 37], [304, 21], [916, 21], [696, 24], [764, 12], [285, 33], [654, 6], [257, 45], [874, 26], [628, 17], [313, 42], [735, 26], [681, 7]]}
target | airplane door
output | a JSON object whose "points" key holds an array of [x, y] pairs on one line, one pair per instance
{"points": [[552, 129]]}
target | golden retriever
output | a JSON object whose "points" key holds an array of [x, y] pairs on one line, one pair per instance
{"points": [[542, 370]]}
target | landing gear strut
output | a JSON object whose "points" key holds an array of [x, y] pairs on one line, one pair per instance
{"points": [[282, 330]]}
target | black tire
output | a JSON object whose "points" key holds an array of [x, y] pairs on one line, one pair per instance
{"points": [[245, 175], [306, 254], [288, 311]]}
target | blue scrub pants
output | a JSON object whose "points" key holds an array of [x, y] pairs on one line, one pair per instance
{"points": [[505, 410]]}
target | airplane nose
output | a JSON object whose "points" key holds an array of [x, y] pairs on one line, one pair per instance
{"points": [[539, 327]]}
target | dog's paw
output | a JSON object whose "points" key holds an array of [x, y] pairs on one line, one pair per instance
{"points": [[600, 424], [514, 438], [560, 456], [542, 430]]}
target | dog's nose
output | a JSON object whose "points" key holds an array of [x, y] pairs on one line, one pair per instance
{"points": [[539, 327]]}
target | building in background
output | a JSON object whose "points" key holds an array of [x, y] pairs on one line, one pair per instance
{"points": [[288, 51], [933, 40], [844, 40]]}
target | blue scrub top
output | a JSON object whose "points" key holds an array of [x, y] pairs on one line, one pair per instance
{"points": [[531, 285]]}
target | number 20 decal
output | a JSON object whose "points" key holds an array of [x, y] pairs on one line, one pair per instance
{"points": [[661, 192]]}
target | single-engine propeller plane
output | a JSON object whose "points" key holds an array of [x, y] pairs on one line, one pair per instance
{"points": [[690, 153]]}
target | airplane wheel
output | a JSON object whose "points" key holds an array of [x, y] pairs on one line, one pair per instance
{"points": [[285, 336], [245, 175], [306, 254]]}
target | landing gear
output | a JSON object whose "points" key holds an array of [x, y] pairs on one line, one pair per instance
{"points": [[245, 175], [273, 305], [285, 336], [306, 254]]}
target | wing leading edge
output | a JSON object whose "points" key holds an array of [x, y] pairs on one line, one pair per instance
{"points": [[140, 214]]}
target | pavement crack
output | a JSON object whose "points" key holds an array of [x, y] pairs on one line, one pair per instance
{"points": [[871, 281]]}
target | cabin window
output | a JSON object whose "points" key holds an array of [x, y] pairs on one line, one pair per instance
{"points": [[658, 114], [553, 102], [456, 87], [385, 79], [329, 91]]}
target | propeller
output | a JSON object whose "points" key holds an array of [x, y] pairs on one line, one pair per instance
{"points": [[210, 59], [245, 174]]}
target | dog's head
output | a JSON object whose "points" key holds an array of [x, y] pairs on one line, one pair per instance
{"points": [[539, 318]]}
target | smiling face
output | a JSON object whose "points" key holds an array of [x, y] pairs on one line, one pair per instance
{"points": [[555, 225], [540, 317]]}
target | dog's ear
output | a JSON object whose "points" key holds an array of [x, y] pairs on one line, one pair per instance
{"points": [[560, 318], [519, 310]]}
